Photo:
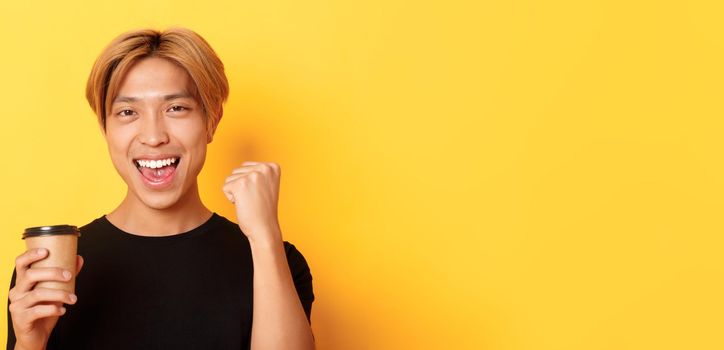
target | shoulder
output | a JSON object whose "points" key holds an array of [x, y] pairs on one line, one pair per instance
{"points": [[294, 256], [93, 235], [290, 248], [298, 265], [95, 225], [224, 222]]}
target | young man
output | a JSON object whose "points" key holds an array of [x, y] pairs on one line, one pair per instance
{"points": [[162, 271]]}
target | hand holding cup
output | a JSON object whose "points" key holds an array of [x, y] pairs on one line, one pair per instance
{"points": [[45, 280]]}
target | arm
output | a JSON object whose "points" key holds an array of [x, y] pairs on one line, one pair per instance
{"points": [[279, 320], [11, 332]]}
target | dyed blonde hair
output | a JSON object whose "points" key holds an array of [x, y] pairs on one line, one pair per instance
{"points": [[179, 45]]}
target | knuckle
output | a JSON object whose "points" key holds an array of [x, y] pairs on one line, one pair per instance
{"points": [[38, 293], [33, 275], [43, 310], [19, 260], [33, 311], [39, 310], [30, 274]]}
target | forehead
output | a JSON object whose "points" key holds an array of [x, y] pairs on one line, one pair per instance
{"points": [[155, 77]]}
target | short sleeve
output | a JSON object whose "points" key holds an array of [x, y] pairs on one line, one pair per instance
{"points": [[302, 277], [11, 331]]}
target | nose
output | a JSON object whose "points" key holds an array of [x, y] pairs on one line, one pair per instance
{"points": [[153, 131]]}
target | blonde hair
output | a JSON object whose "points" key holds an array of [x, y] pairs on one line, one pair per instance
{"points": [[179, 45]]}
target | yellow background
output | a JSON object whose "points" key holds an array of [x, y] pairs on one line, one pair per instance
{"points": [[459, 175]]}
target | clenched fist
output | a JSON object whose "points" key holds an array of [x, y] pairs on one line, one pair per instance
{"points": [[254, 190]]}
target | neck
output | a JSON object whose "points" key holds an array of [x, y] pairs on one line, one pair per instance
{"points": [[134, 216]]}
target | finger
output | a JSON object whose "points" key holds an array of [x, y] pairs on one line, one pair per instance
{"points": [[242, 170], [229, 196], [38, 274], [259, 166], [272, 165], [250, 162], [79, 263], [23, 261], [41, 311], [233, 178], [254, 166], [276, 168], [43, 296]]}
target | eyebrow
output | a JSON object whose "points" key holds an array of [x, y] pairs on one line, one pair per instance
{"points": [[165, 98]]}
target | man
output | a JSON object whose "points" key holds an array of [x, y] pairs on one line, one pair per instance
{"points": [[162, 271]]}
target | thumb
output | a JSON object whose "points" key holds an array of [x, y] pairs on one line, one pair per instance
{"points": [[79, 264], [229, 196]]}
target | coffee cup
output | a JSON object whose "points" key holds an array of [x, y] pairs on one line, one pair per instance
{"points": [[61, 241]]}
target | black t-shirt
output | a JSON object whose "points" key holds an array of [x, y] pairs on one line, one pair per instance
{"points": [[192, 290]]}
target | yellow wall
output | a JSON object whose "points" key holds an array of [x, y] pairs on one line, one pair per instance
{"points": [[460, 175]]}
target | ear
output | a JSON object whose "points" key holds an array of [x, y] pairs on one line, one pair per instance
{"points": [[210, 136], [102, 129]]}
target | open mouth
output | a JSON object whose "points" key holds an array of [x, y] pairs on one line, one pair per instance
{"points": [[157, 170]]}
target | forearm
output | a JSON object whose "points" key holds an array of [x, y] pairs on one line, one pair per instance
{"points": [[21, 347], [18, 347], [279, 321]]}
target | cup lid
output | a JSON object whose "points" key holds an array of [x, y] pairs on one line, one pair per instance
{"points": [[51, 231]]}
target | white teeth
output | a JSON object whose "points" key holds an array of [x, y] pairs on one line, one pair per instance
{"points": [[154, 164]]}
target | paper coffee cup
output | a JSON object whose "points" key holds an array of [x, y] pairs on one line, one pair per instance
{"points": [[61, 241]]}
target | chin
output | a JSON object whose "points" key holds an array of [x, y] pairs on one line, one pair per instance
{"points": [[158, 201], [159, 205]]}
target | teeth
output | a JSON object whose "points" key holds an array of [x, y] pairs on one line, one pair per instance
{"points": [[154, 164]]}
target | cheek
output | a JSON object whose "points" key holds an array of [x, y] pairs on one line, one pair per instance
{"points": [[118, 146], [192, 136], [199, 151]]}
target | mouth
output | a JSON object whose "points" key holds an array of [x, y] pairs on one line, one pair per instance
{"points": [[157, 172]]}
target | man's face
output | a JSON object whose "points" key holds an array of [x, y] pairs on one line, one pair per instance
{"points": [[156, 133]]}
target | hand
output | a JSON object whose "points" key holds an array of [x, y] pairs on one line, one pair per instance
{"points": [[35, 311], [254, 190]]}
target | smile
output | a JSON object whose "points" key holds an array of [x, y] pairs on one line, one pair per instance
{"points": [[156, 163], [157, 173]]}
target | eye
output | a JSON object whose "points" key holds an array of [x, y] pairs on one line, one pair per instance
{"points": [[125, 113], [177, 108]]}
